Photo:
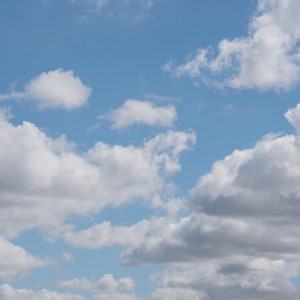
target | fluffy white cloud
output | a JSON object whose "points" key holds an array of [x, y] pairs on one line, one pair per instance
{"points": [[247, 279], [268, 58], [15, 262], [7, 292], [105, 288], [141, 112], [44, 180], [54, 89]]}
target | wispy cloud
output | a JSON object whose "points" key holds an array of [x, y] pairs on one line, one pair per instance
{"points": [[114, 8]]}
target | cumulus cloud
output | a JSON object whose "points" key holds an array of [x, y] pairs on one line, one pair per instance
{"points": [[7, 292], [15, 262], [248, 203], [134, 112], [105, 288], [44, 180], [54, 89], [268, 58]]}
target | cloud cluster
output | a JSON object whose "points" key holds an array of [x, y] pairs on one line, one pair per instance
{"points": [[134, 112], [242, 213], [268, 58], [54, 89]]}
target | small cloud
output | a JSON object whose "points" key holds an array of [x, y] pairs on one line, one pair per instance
{"points": [[54, 89], [134, 112]]}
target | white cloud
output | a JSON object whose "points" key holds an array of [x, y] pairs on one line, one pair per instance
{"points": [[268, 58], [54, 89], [134, 112], [15, 262], [7, 292], [105, 288], [44, 181]]}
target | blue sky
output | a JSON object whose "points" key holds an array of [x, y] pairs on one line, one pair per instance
{"points": [[149, 149]]}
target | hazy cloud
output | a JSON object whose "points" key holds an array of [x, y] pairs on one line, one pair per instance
{"points": [[115, 8]]}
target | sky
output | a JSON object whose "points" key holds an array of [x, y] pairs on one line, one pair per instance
{"points": [[149, 149]]}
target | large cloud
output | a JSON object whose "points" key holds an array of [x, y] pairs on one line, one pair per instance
{"points": [[141, 112], [54, 89], [248, 204], [44, 180], [268, 58]]}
